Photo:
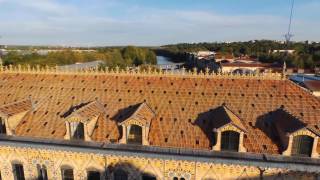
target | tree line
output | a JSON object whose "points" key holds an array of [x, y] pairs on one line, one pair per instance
{"points": [[111, 57], [306, 55]]}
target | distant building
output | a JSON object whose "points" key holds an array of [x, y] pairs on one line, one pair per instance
{"points": [[313, 86], [238, 67], [202, 60], [204, 54], [81, 66], [3, 52], [291, 51], [224, 58]]}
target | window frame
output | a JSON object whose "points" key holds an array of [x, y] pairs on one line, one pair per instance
{"points": [[300, 144], [137, 133], [66, 168], [77, 129]]}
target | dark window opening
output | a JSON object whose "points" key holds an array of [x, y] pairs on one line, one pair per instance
{"points": [[18, 172], [120, 175], [135, 135], [230, 141], [2, 127], [42, 172], [302, 145], [93, 175], [79, 132], [67, 174], [148, 177]]}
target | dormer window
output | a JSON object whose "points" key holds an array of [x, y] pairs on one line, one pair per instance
{"points": [[12, 114], [136, 124], [229, 130], [81, 120], [296, 137], [230, 141], [302, 145], [2, 126], [135, 135]]}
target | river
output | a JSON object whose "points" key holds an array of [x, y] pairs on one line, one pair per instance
{"points": [[163, 60]]}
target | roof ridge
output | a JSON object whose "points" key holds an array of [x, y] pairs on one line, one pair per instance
{"points": [[137, 71]]}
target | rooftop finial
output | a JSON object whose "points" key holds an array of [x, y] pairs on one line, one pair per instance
{"points": [[284, 69], [138, 71]]}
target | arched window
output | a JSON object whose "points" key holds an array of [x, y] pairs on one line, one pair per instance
{"points": [[120, 175], [67, 173], [79, 131], [230, 141], [148, 177], [18, 171], [302, 145], [135, 135]]}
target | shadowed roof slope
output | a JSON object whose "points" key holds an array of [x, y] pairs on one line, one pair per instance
{"points": [[177, 101]]}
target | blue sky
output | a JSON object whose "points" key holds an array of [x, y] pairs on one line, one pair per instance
{"points": [[153, 22]]}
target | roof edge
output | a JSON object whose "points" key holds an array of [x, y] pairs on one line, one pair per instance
{"points": [[177, 152]]}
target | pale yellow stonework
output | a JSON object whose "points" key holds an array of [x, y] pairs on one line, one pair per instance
{"points": [[134, 166]]}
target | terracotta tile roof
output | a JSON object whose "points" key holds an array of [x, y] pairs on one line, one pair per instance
{"points": [[224, 56], [14, 108], [181, 105]]}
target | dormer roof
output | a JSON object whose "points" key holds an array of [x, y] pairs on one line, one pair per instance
{"points": [[140, 112], [85, 112], [15, 108], [224, 116], [288, 123]]}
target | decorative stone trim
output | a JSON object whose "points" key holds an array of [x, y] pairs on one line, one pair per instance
{"points": [[137, 71]]}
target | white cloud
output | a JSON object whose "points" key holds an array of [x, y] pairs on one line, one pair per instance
{"points": [[56, 23]]}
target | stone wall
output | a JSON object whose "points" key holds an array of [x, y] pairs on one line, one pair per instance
{"points": [[135, 166]]}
